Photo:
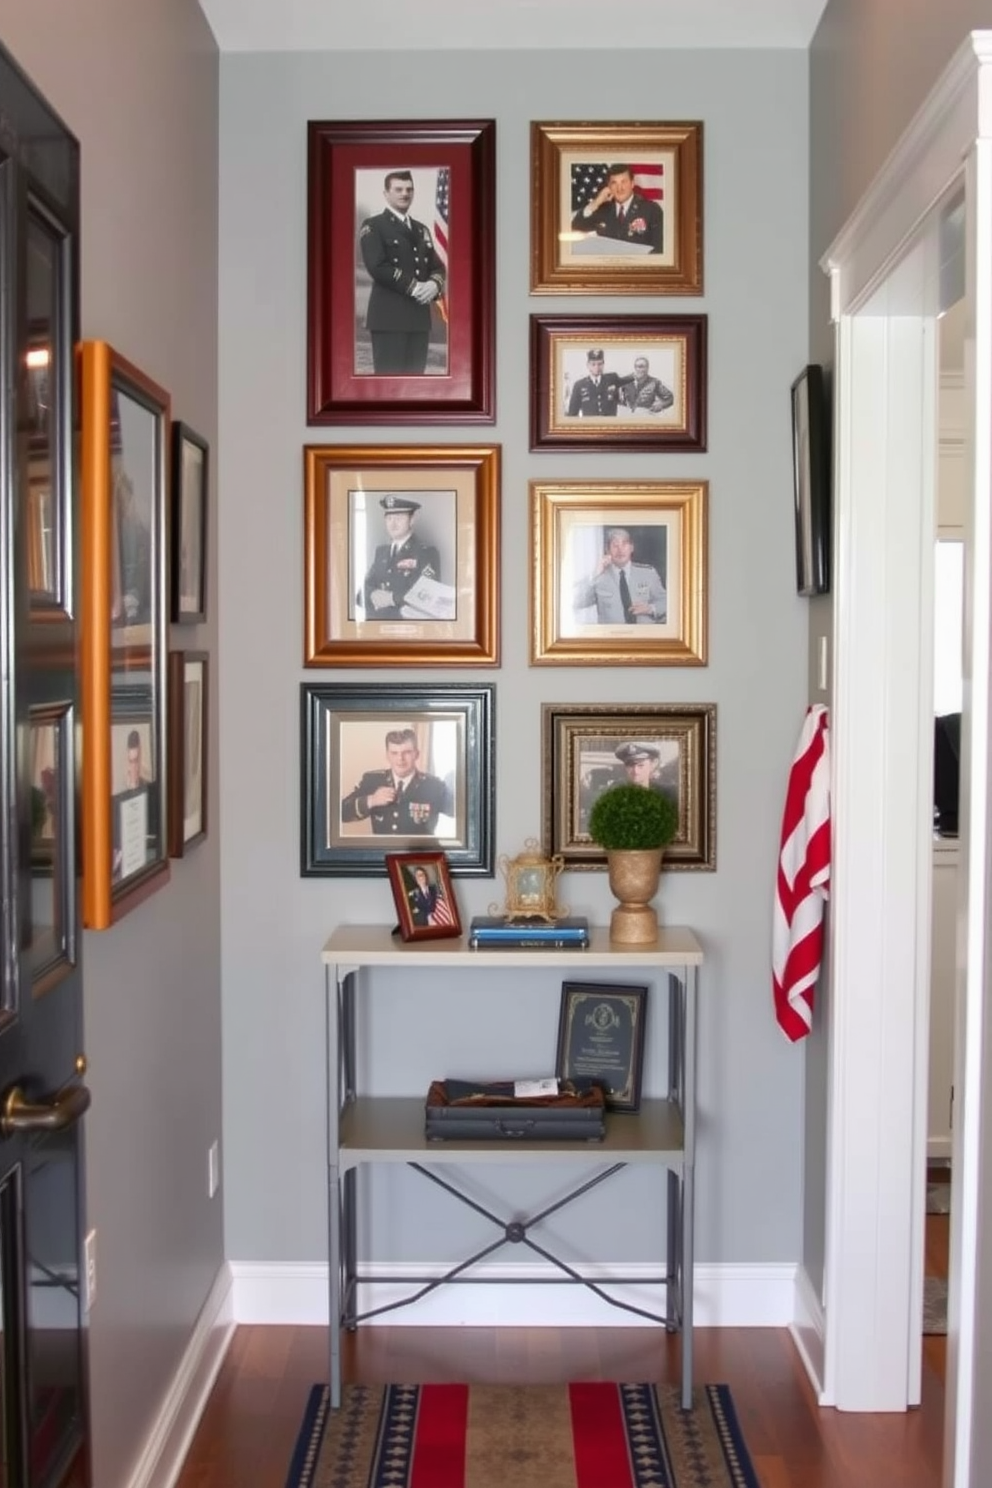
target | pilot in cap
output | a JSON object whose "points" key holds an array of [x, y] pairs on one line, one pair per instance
{"points": [[595, 356], [392, 503], [634, 751]]}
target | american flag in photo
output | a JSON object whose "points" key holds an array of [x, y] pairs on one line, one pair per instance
{"points": [[441, 913], [590, 178], [441, 202]]}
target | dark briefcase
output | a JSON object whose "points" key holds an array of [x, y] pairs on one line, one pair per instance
{"points": [[462, 1110]]}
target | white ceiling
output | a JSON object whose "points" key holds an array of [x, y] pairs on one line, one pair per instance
{"points": [[393, 25]]}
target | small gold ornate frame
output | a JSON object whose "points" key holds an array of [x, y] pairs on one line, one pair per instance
{"points": [[530, 884]]}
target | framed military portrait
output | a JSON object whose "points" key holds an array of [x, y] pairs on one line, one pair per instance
{"points": [[617, 209], [401, 272], [396, 768], [630, 382], [667, 747], [619, 573], [401, 555]]}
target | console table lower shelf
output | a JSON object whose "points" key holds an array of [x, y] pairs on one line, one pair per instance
{"points": [[365, 1130]]}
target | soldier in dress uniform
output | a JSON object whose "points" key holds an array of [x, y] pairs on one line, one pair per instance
{"points": [[619, 211], [595, 395], [624, 592], [641, 760], [643, 393], [399, 563], [407, 276], [399, 800]]}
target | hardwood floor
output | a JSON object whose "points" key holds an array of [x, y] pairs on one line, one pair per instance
{"points": [[246, 1436]]}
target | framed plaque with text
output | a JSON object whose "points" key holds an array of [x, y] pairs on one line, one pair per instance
{"points": [[601, 1038]]}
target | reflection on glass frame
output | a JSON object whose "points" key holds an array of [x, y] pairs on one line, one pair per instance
{"points": [[601, 1038], [401, 561], [586, 749], [190, 480], [426, 907], [396, 766], [47, 932], [125, 423], [619, 573], [401, 272], [629, 382], [811, 481], [617, 209], [188, 694]]}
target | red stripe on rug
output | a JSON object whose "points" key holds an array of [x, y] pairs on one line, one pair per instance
{"points": [[442, 1425], [599, 1437]]}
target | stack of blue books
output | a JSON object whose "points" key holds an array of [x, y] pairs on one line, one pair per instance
{"points": [[569, 933]]}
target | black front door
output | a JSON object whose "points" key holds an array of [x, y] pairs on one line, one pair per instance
{"points": [[42, 1091]]}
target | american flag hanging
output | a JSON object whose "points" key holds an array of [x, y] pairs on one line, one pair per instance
{"points": [[441, 913], [441, 205], [588, 180]]}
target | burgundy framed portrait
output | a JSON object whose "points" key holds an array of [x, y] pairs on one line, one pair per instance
{"points": [[401, 272], [426, 907]]}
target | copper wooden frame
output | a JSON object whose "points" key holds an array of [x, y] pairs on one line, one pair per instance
{"points": [[179, 843], [336, 393], [680, 146], [680, 507], [474, 472], [434, 862], [139, 661], [682, 338], [577, 736]]}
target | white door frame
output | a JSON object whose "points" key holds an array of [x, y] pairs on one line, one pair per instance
{"points": [[885, 270]]}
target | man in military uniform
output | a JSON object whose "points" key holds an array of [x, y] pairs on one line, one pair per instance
{"points": [[619, 211], [597, 394], [641, 761], [624, 592], [400, 800], [644, 394], [407, 277], [399, 563]]}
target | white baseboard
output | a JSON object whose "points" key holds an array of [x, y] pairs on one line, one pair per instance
{"points": [[169, 1439], [725, 1296], [809, 1329]]}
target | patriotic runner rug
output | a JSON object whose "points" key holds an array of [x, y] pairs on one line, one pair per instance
{"points": [[594, 1435]]}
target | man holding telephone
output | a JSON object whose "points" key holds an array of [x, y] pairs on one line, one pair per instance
{"points": [[624, 592]]}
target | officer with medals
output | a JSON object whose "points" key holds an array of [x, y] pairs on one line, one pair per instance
{"points": [[399, 563], [407, 277], [399, 800], [619, 211], [595, 395]]}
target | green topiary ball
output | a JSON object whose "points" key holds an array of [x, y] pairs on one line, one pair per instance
{"points": [[633, 817]]}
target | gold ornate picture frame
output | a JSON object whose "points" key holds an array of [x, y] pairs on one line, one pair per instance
{"points": [[617, 209], [619, 573]]}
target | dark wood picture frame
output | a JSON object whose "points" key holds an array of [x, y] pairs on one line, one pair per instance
{"points": [[190, 487], [672, 416], [811, 481], [188, 722], [579, 744], [455, 527], [601, 1038], [446, 732], [458, 159], [428, 911], [124, 454], [570, 161]]}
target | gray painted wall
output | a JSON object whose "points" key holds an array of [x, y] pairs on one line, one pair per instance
{"points": [[139, 87], [871, 67], [274, 923]]}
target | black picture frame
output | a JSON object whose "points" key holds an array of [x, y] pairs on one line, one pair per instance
{"points": [[190, 480], [601, 1038], [450, 729], [811, 481]]}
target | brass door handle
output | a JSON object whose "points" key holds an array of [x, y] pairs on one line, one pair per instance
{"points": [[20, 1115]]}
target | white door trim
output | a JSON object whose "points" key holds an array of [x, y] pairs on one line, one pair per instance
{"points": [[885, 273]]}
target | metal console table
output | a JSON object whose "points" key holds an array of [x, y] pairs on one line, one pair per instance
{"points": [[376, 1129]]}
